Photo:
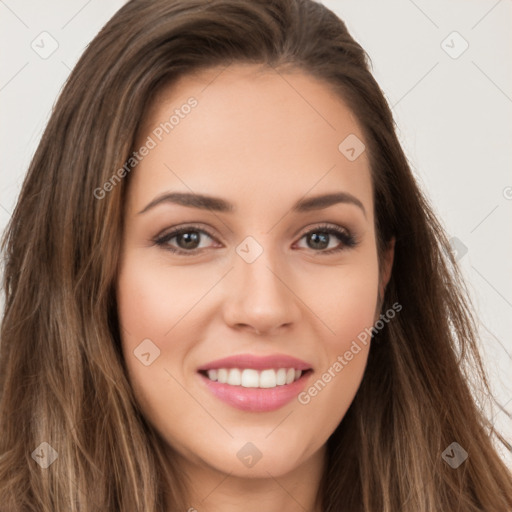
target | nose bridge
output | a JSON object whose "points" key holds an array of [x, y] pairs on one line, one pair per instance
{"points": [[260, 295]]}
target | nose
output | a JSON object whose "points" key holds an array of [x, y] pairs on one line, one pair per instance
{"points": [[260, 296]]}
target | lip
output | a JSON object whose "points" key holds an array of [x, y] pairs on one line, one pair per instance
{"points": [[257, 362], [256, 399]]}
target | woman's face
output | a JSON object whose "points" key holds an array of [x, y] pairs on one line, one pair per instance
{"points": [[240, 345]]}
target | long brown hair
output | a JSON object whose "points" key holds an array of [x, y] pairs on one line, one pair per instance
{"points": [[62, 376]]}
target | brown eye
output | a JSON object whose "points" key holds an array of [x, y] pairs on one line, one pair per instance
{"points": [[187, 240], [319, 239]]}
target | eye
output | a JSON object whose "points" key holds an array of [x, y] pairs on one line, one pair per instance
{"points": [[188, 240], [320, 238]]}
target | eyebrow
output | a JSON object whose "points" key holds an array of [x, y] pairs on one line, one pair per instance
{"points": [[217, 204]]}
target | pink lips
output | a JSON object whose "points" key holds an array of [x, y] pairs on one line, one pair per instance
{"points": [[256, 399]]}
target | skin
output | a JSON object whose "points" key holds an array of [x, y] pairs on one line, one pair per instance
{"points": [[260, 140]]}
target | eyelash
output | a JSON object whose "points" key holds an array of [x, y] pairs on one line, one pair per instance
{"points": [[348, 240]]}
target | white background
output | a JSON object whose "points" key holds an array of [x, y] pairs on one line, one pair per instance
{"points": [[454, 117]]}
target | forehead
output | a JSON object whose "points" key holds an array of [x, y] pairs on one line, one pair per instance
{"points": [[270, 133]]}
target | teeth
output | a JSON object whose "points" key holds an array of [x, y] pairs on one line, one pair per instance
{"points": [[234, 377], [281, 376], [268, 379], [249, 378], [222, 375]]}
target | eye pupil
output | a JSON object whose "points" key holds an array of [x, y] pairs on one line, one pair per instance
{"points": [[190, 237], [322, 239]]}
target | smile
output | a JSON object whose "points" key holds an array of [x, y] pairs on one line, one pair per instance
{"points": [[251, 378], [258, 398], [256, 383]]}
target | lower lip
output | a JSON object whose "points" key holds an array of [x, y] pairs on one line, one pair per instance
{"points": [[256, 399]]}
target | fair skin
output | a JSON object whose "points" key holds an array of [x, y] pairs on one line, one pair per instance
{"points": [[261, 143]]}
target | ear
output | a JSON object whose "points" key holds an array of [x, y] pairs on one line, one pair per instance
{"points": [[387, 265]]}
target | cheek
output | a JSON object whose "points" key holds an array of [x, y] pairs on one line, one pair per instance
{"points": [[150, 303], [162, 304], [356, 305], [346, 305], [152, 299], [146, 310], [346, 302]]}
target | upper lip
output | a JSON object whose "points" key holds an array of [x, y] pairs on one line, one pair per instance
{"points": [[257, 362]]}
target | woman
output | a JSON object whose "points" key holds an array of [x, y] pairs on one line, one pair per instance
{"points": [[225, 290]]}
